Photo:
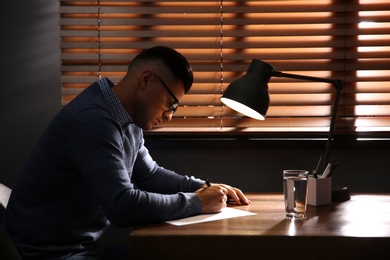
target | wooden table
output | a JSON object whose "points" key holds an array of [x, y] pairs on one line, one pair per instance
{"points": [[356, 228]]}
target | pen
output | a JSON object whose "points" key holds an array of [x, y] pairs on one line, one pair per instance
{"points": [[318, 165], [326, 171], [332, 168], [208, 183]]}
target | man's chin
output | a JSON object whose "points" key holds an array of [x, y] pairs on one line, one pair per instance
{"points": [[145, 127], [149, 127]]}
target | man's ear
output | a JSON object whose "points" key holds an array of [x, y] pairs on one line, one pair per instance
{"points": [[145, 78]]}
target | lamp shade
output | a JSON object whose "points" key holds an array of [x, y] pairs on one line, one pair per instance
{"points": [[249, 94]]}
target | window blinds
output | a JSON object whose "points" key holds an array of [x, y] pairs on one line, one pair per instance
{"points": [[347, 40]]}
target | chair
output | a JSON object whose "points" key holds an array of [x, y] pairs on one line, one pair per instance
{"points": [[5, 192], [7, 248]]}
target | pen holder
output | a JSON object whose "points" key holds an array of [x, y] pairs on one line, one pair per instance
{"points": [[319, 191]]}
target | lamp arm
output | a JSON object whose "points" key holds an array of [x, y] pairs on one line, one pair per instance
{"points": [[325, 157], [338, 84]]}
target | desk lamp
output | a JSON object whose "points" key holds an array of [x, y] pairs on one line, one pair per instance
{"points": [[249, 96]]}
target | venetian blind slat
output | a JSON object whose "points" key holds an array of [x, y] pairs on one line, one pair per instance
{"points": [[346, 40]]}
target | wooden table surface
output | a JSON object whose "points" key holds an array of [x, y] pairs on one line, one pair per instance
{"points": [[359, 227]]}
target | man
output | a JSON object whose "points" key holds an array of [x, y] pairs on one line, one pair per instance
{"points": [[91, 169]]}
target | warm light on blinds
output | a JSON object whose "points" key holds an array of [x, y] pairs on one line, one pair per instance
{"points": [[347, 40]]}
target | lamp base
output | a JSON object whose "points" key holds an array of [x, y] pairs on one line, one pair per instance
{"points": [[340, 194]]}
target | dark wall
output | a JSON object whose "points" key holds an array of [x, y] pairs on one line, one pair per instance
{"points": [[30, 78], [30, 97], [257, 165]]}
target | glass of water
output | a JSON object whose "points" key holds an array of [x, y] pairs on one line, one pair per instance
{"points": [[295, 193]]}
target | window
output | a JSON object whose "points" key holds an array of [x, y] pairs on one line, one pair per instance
{"points": [[347, 40]]}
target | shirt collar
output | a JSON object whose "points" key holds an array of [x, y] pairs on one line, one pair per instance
{"points": [[115, 105]]}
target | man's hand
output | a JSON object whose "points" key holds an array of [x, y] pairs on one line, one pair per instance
{"points": [[236, 195], [214, 198]]}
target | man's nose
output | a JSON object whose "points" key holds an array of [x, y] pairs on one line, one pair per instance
{"points": [[168, 116]]}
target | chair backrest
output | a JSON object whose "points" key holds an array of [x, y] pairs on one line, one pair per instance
{"points": [[5, 192]]}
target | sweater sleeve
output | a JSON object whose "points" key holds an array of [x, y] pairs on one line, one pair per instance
{"points": [[148, 175], [108, 156]]}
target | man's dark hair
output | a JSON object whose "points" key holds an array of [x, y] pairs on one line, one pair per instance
{"points": [[173, 60]]}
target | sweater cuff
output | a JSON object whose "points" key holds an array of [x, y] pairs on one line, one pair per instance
{"points": [[195, 205]]}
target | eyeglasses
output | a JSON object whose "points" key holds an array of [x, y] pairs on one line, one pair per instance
{"points": [[173, 107]]}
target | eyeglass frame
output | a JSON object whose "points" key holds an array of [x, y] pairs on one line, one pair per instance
{"points": [[175, 105]]}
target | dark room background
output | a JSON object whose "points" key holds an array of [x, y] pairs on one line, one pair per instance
{"points": [[30, 97]]}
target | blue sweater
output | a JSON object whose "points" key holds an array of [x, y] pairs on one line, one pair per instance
{"points": [[81, 177]]}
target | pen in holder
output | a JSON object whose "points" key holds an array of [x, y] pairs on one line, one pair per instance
{"points": [[319, 191]]}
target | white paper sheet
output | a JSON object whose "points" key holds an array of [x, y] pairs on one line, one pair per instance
{"points": [[224, 214]]}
